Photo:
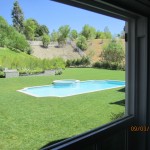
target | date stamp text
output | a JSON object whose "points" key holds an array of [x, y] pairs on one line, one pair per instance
{"points": [[139, 128]]}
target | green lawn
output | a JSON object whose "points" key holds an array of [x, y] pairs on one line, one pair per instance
{"points": [[29, 123]]}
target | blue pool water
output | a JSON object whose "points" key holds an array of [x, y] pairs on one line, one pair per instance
{"points": [[64, 88]]}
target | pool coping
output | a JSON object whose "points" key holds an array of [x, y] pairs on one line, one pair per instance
{"points": [[34, 95]]}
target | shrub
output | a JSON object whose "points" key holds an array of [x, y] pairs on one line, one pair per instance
{"points": [[18, 41], [88, 32], [97, 65], [111, 66], [26, 64], [45, 40], [82, 43], [58, 72], [84, 61], [113, 52], [14, 40], [2, 74], [1, 68], [27, 71]]}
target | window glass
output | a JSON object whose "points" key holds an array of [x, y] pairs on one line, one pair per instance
{"points": [[62, 72]]}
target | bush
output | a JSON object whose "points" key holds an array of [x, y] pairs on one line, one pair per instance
{"points": [[113, 52], [14, 40], [82, 43], [111, 66], [1, 68], [2, 74], [58, 72], [18, 42], [83, 62], [97, 65], [45, 40], [26, 64], [30, 72]]}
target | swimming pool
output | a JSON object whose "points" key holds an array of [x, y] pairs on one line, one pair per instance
{"points": [[64, 88]]}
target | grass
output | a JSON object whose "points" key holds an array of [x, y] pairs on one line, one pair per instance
{"points": [[5, 52], [25, 63], [29, 123]]}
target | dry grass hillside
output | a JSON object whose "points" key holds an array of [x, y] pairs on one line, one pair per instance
{"points": [[66, 52], [94, 50]]}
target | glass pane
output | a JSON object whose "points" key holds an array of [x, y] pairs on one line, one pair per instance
{"points": [[66, 72]]}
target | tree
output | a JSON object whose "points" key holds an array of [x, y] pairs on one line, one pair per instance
{"points": [[107, 33], [88, 32], [30, 29], [11, 38], [81, 43], [73, 34], [122, 34], [113, 52], [61, 40], [63, 33], [45, 40], [41, 30], [3, 22], [54, 36], [18, 17], [98, 34]]}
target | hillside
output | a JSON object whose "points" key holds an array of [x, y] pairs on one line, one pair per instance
{"points": [[25, 63], [52, 51], [94, 50], [5, 52]]}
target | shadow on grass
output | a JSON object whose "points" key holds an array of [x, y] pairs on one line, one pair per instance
{"points": [[120, 102], [51, 143], [122, 90]]}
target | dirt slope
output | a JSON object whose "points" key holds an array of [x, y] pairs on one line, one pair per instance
{"points": [[94, 50], [66, 53]]}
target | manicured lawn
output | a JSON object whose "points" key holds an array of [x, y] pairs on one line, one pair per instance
{"points": [[29, 123]]}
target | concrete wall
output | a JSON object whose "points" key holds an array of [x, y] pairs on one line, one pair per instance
{"points": [[11, 73]]}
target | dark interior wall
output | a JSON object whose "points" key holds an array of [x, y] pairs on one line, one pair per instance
{"points": [[138, 6]]}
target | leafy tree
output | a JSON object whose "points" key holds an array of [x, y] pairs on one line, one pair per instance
{"points": [[3, 22], [18, 17], [122, 34], [3, 31], [107, 33], [61, 40], [81, 43], [63, 33], [34, 29], [54, 36], [88, 32], [11, 38], [45, 40], [113, 52], [41, 30], [73, 34], [30, 29], [98, 34]]}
